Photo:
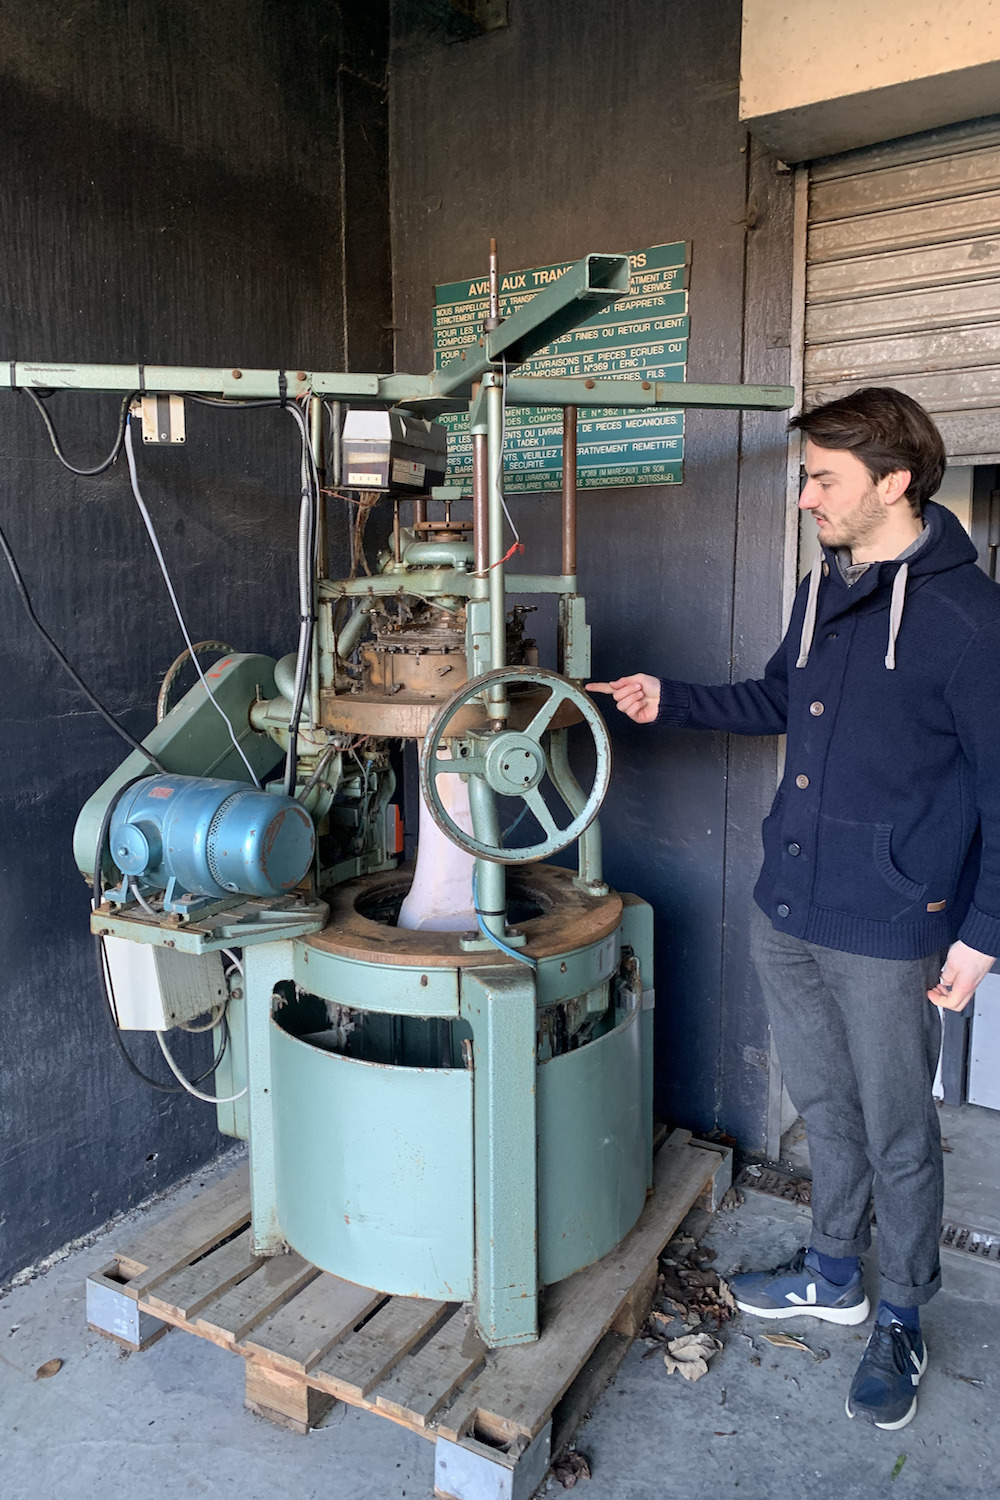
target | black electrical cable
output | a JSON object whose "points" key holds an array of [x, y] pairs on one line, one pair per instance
{"points": [[162, 1088], [108, 717], [57, 447]]}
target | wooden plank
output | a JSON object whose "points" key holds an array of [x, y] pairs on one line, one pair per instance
{"points": [[269, 1287], [597, 1374], [284, 1399], [424, 1381], [309, 1324], [357, 1364], [189, 1290], [187, 1234], [515, 1396]]}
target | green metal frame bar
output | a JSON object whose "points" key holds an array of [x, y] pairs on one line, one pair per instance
{"points": [[500, 1006], [264, 967], [390, 390]]}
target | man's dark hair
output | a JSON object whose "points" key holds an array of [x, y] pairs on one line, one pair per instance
{"points": [[886, 430]]}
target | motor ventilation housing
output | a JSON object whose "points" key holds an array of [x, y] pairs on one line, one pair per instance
{"points": [[204, 837]]}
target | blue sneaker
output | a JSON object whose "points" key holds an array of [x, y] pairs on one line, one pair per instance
{"points": [[884, 1390], [797, 1288]]}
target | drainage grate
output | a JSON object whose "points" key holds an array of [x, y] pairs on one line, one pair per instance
{"points": [[774, 1183], [978, 1242]]}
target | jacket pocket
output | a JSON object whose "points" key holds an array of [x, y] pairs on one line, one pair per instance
{"points": [[770, 829], [856, 872]]}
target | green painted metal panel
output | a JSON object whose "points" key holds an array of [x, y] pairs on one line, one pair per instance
{"points": [[374, 1169], [500, 1005], [592, 1151], [388, 988]]}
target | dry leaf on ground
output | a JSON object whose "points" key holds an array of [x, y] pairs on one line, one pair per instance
{"points": [[786, 1341], [690, 1354], [50, 1367], [571, 1467]]}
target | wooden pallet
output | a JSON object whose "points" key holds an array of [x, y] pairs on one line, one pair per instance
{"points": [[310, 1339]]}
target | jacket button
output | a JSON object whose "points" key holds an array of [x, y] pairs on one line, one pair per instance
{"points": [[802, 782], [795, 848], [816, 709], [826, 570], [783, 910]]}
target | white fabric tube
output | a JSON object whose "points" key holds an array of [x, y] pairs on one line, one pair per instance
{"points": [[440, 898]]}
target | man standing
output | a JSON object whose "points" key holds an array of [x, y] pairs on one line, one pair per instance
{"points": [[880, 888]]}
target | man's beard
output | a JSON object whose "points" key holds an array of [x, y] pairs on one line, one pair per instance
{"points": [[859, 525]]}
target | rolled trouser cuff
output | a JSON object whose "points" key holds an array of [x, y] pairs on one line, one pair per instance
{"points": [[828, 1244], [901, 1295]]}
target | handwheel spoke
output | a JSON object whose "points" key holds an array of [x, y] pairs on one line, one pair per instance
{"points": [[468, 765], [543, 718], [546, 821]]}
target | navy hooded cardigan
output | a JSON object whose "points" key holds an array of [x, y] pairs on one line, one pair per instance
{"points": [[884, 836]]}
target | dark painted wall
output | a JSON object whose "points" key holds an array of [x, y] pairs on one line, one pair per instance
{"points": [[173, 185], [612, 126]]}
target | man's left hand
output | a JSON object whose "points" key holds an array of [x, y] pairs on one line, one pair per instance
{"points": [[964, 969]]}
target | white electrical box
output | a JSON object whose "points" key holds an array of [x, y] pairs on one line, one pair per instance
{"points": [[984, 1054], [153, 988]]}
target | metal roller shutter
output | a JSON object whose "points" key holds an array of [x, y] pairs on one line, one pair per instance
{"points": [[903, 279]]}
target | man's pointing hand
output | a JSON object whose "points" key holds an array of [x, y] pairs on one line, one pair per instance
{"points": [[638, 695]]}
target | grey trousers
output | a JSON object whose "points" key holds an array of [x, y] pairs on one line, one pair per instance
{"points": [[858, 1043]]}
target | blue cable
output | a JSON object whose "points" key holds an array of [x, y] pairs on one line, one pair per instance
{"points": [[522, 958]]}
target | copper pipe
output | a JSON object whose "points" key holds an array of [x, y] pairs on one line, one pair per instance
{"points": [[419, 509], [480, 509], [569, 493]]}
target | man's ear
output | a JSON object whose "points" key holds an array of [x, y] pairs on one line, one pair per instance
{"points": [[895, 485]]}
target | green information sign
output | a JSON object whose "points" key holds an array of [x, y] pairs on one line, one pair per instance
{"points": [[643, 337]]}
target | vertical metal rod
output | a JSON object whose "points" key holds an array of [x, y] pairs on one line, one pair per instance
{"points": [[491, 878], [569, 493], [397, 552], [498, 610], [318, 445], [419, 509], [494, 314], [337, 447], [480, 502], [322, 566]]}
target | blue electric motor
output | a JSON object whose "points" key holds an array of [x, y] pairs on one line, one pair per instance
{"points": [[193, 836]]}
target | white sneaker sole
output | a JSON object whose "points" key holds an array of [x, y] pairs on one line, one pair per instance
{"points": [[904, 1421], [846, 1316]]}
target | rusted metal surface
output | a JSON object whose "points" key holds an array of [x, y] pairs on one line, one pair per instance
{"points": [[407, 715], [570, 919]]}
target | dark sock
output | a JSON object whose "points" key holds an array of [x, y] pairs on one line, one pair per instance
{"points": [[908, 1316], [836, 1268]]}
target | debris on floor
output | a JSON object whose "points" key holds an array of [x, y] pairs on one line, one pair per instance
{"points": [[788, 1341], [690, 1355], [569, 1468], [690, 1289]]}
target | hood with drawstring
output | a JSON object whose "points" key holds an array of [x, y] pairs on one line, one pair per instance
{"points": [[884, 836]]}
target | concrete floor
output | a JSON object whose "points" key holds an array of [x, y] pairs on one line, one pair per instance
{"points": [[170, 1421]]}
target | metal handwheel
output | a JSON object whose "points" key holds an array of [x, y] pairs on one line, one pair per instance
{"points": [[512, 763]]}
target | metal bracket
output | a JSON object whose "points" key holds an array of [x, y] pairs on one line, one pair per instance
{"points": [[574, 638], [470, 1470]]}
